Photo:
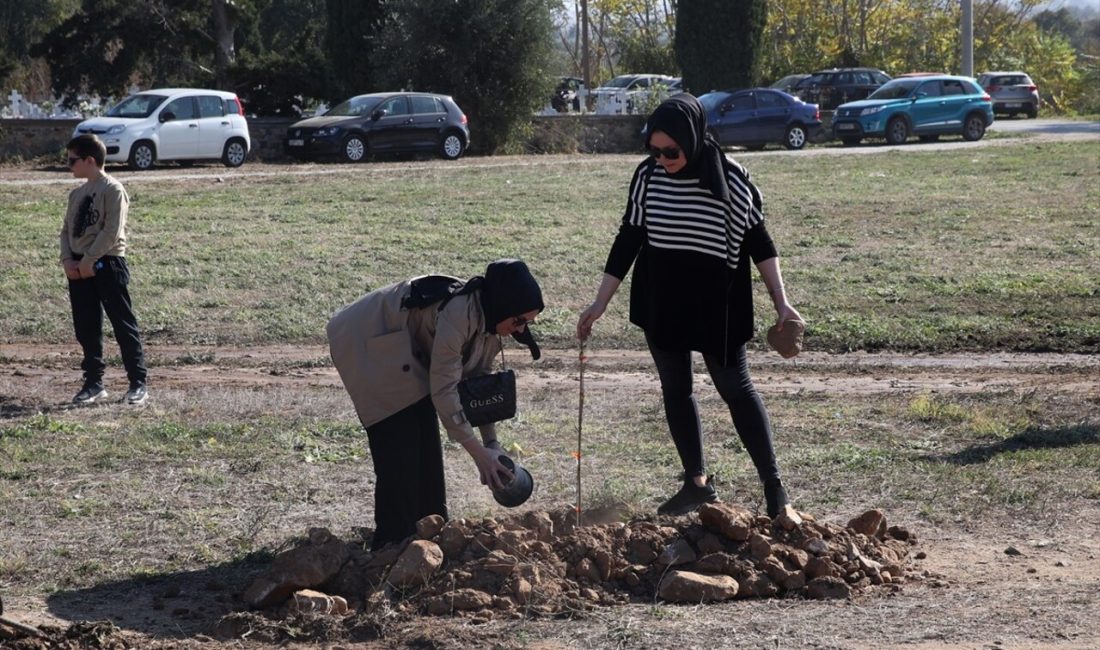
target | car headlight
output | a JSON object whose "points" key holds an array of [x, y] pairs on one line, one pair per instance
{"points": [[116, 129], [326, 132], [872, 110]]}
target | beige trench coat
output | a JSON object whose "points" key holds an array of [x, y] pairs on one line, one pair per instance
{"points": [[390, 357]]}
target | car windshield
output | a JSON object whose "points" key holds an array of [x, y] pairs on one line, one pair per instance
{"points": [[710, 101], [620, 82], [895, 89], [816, 78], [353, 107], [136, 106]]}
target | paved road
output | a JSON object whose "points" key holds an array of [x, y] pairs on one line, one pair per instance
{"points": [[1009, 131]]}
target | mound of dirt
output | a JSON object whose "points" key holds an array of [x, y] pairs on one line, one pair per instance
{"points": [[542, 564]]}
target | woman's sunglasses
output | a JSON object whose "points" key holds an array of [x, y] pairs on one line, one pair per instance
{"points": [[669, 153], [520, 321]]}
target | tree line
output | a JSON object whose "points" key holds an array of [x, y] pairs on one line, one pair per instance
{"points": [[500, 58]]}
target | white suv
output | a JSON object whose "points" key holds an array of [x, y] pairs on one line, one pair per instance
{"points": [[182, 124]]}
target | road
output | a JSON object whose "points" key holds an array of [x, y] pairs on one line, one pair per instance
{"points": [[1039, 130]]}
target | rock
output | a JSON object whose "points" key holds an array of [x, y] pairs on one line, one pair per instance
{"points": [[453, 539], [604, 563], [586, 568], [542, 524], [499, 562], [714, 563], [758, 585], [760, 546], [1012, 550], [898, 532], [514, 540], [798, 558], [709, 543], [868, 523], [733, 522], [816, 545], [688, 587], [827, 587], [641, 551], [820, 567], [461, 600], [677, 553], [416, 564], [302, 567], [429, 526], [310, 601]]}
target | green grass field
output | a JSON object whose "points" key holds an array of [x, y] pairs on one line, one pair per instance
{"points": [[973, 249]]}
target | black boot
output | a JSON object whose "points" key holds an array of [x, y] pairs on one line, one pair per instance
{"points": [[775, 496], [689, 498]]}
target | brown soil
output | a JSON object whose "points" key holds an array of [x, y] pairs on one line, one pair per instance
{"points": [[1009, 584]]}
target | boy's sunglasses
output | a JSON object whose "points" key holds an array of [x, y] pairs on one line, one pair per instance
{"points": [[670, 153], [73, 161]]}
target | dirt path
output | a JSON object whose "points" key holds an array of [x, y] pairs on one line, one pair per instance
{"points": [[35, 371]]}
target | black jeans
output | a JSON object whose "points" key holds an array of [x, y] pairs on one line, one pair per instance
{"points": [[90, 297], [408, 465], [734, 384]]}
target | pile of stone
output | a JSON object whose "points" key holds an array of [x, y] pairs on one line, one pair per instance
{"points": [[541, 563]]}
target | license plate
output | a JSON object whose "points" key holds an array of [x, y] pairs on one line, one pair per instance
{"points": [[1012, 105], [296, 143], [845, 127]]}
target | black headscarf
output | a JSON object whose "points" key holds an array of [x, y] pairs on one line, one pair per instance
{"points": [[507, 290], [683, 118]]}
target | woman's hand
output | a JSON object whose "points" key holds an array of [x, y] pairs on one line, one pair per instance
{"points": [[784, 313], [588, 319], [493, 473]]}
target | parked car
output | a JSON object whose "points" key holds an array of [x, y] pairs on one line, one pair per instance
{"points": [[1012, 92], [382, 122], [628, 93], [927, 107], [787, 84], [831, 88], [752, 118], [181, 124]]}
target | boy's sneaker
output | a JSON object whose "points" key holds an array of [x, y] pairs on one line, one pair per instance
{"points": [[90, 393], [688, 499], [137, 394]]}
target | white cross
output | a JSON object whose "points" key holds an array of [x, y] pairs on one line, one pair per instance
{"points": [[15, 98]]}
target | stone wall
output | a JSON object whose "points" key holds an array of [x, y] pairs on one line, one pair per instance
{"points": [[28, 139]]}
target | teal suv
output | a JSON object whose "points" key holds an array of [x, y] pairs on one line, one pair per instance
{"points": [[927, 107]]}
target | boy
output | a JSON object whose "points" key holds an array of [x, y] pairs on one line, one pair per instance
{"points": [[93, 254]]}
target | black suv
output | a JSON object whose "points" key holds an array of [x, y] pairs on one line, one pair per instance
{"points": [[831, 88], [382, 122]]}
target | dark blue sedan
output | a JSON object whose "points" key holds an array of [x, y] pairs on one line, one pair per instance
{"points": [[752, 118]]}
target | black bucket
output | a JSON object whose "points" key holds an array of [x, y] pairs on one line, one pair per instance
{"points": [[519, 489]]}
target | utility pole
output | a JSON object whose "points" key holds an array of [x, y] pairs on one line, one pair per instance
{"points": [[967, 29], [585, 72]]}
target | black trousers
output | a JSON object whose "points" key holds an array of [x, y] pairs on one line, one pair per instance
{"points": [[734, 384], [90, 297], [408, 463]]}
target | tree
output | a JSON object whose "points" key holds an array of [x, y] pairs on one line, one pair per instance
{"points": [[490, 55], [718, 42], [281, 58], [350, 41], [22, 23]]}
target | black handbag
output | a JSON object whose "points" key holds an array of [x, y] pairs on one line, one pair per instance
{"points": [[489, 398]]}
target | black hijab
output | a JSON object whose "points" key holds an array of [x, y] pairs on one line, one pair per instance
{"points": [[683, 118], [507, 290]]}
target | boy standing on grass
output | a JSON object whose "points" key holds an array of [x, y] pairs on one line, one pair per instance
{"points": [[93, 254]]}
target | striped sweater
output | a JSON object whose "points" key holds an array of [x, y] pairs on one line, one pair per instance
{"points": [[692, 287]]}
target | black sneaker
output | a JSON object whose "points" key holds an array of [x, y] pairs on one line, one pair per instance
{"points": [[137, 394], [688, 499], [90, 393]]}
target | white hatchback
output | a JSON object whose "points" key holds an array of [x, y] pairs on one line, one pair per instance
{"points": [[181, 124]]}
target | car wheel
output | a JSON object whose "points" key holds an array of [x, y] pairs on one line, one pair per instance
{"points": [[796, 137], [451, 146], [355, 149], [142, 155], [973, 128], [850, 142], [1033, 113], [897, 131], [234, 153], [929, 138]]}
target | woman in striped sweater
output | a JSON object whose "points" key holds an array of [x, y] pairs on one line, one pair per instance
{"points": [[693, 221]]}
